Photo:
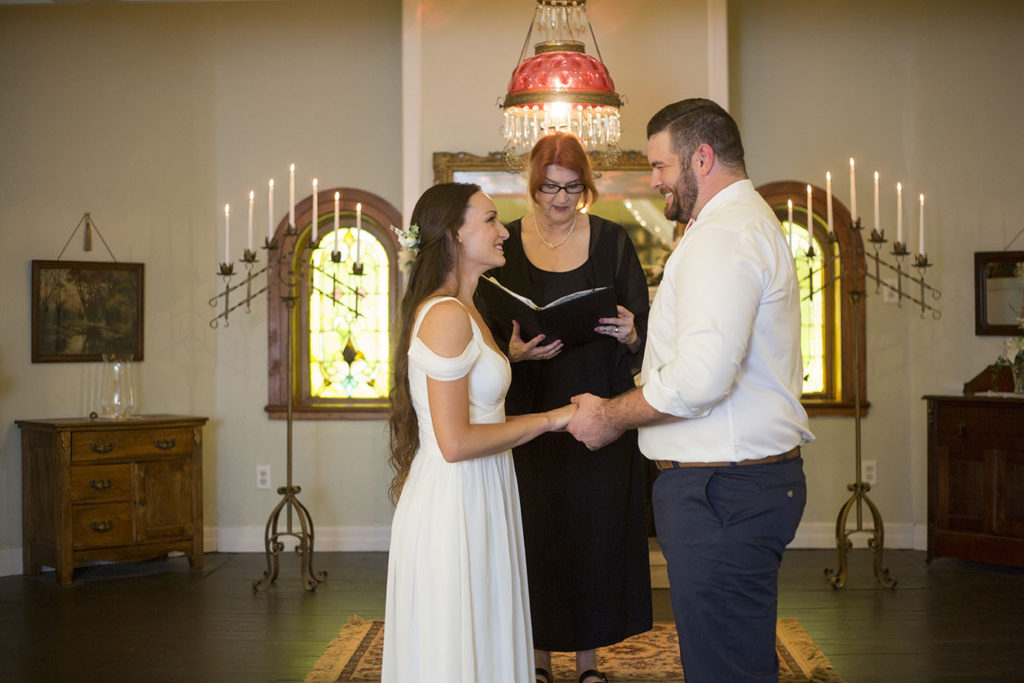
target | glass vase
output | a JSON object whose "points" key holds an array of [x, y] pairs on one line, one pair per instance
{"points": [[1018, 377], [117, 389]]}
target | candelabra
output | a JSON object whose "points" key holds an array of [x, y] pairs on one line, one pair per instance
{"points": [[867, 267], [294, 269]]}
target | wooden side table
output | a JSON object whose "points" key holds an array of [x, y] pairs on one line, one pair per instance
{"points": [[117, 490], [976, 478]]}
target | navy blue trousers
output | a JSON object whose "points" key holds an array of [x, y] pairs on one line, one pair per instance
{"points": [[723, 531]]}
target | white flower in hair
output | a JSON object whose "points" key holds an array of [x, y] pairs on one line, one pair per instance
{"points": [[408, 239]]}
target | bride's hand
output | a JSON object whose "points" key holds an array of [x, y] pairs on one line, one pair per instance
{"points": [[559, 417]]}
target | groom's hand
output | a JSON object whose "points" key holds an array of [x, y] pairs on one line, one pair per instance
{"points": [[590, 424]]}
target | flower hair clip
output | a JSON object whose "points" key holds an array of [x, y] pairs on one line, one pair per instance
{"points": [[408, 239]]}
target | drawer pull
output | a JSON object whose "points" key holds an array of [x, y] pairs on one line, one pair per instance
{"points": [[102, 527], [101, 448], [101, 484], [961, 429], [164, 444]]}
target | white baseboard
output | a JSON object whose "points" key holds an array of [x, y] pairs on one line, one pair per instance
{"points": [[897, 536], [376, 539], [327, 539], [10, 561]]}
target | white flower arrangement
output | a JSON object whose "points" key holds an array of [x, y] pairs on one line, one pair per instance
{"points": [[1013, 351]]}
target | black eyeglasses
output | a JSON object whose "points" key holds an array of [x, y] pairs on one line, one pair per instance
{"points": [[554, 188]]}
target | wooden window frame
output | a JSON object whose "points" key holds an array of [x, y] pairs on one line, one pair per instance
{"points": [[838, 398], [304, 407]]}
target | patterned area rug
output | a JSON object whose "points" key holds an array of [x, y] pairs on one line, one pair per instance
{"points": [[354, 655]]}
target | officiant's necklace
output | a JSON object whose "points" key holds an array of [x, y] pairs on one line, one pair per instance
{"points": [[555, 245]]}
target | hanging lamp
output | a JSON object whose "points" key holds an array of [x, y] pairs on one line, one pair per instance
{"points": [[561, 87]]}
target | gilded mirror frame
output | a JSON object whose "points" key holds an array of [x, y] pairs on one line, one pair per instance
{"points": [[626, 180], [446, 164]]}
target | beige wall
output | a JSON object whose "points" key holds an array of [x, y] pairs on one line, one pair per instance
{"points": [[924, 92], [151, 117]]}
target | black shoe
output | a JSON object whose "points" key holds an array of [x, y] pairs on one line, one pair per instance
{"points": [[538, 672], [593, 673]]}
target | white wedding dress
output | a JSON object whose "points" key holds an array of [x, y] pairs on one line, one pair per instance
{"points": [[458, 608]]}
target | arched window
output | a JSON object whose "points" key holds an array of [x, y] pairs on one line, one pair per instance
{"points": [[828, 279], [341, 316]]}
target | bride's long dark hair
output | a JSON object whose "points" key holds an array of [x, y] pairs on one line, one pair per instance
{"points": [[439, 213]]}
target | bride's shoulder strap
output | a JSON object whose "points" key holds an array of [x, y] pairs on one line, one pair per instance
{"points": [[442, 367]]}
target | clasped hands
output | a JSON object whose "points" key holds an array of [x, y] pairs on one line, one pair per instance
{"points": [[591, 424], [586, 420]]}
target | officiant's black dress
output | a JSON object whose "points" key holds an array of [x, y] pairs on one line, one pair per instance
{"points": [[583, 512]]}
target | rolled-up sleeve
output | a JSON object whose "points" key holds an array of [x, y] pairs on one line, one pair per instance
{"points": [[717, 281]]}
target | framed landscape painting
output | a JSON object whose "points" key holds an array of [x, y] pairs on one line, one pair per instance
{"points": [[84, 309]]}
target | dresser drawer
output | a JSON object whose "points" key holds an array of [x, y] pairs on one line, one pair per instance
{"points": [[120, 443], [101, 483], [980, 426], [101, 526]]}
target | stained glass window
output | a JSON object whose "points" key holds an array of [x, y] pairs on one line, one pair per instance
{"points": [[329, 324], [349, 317], [812, 306]]}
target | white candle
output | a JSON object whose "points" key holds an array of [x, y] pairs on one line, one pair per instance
{"points": [[920, 230], [359, 230], [337, 208], [252, 198], [828, 199], [899, 212], [789, 223], [810, 218], [291, 195], [853, 191], [270, 210], [227, 232], [877, 226], [315, 183]]}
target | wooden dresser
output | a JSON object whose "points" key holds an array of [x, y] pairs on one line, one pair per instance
{"points": [[123, 490], [976, 478]]}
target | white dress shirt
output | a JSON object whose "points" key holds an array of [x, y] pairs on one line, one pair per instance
{"points": [[723, 341]]}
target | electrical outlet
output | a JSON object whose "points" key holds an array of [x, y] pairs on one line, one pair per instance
{"points": [[869, 472], [263, 476], [889, 291]]}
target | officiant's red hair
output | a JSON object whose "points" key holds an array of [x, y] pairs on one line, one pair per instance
{"points": [[566, 150]]}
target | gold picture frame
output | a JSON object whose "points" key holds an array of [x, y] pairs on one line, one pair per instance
{"points": [[82, 310]]}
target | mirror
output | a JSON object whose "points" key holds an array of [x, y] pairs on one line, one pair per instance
{"points": [[998, 292], [625, 197]]}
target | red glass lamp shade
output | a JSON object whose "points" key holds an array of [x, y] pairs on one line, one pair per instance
{"points": [[563, 74]]}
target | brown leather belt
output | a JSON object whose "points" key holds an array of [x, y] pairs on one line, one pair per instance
{"points": [[674, 464]]}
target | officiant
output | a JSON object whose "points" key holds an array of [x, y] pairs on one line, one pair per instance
{"points": [[583, 512]]}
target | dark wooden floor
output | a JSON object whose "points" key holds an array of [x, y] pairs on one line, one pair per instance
{"points": [[160, 621]]}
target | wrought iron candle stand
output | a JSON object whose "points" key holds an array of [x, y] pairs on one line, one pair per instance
{"points": [[860, 274], [289, 502]]}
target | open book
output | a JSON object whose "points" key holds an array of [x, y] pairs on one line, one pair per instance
{"points": [[571, 318]]}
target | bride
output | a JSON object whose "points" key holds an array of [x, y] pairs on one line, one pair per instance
{"points": [[457, 600]]}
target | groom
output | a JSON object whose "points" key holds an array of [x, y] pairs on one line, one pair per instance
{"points": [[719, 407]]}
